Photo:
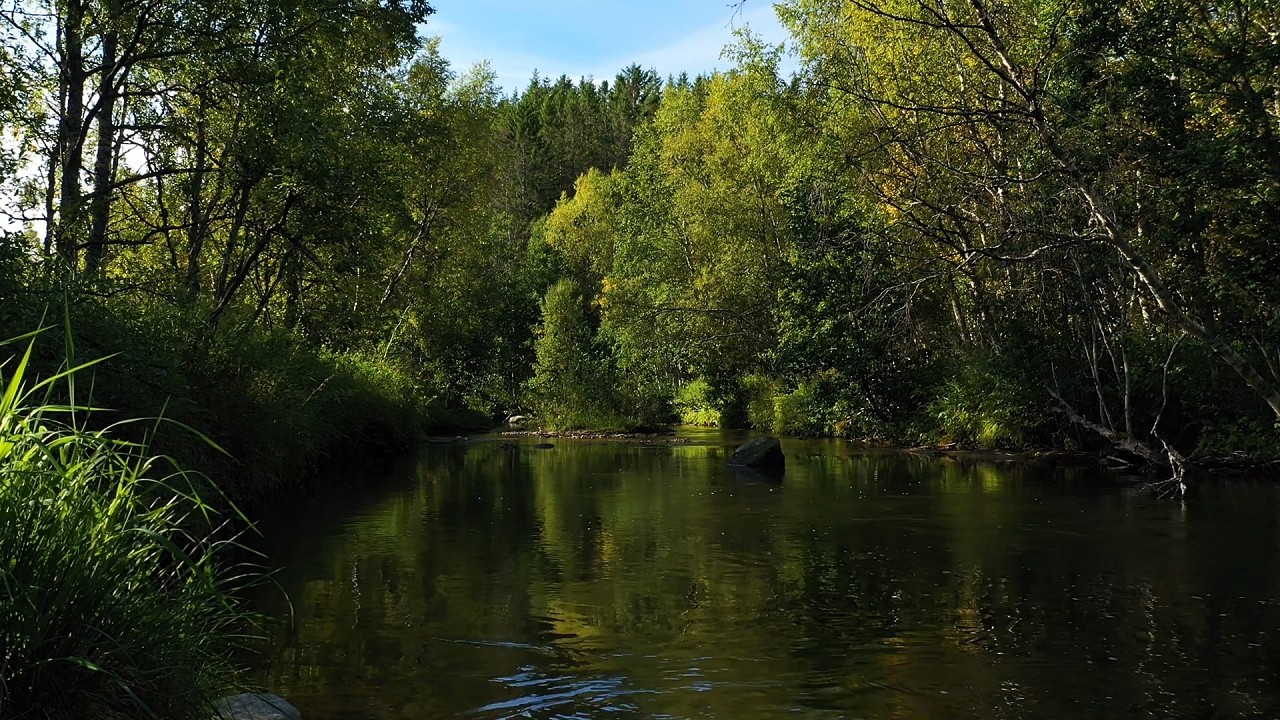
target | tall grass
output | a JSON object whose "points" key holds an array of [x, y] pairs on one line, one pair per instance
{"points": [[117, 587]]}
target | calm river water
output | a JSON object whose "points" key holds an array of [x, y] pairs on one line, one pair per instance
{"points": [[615, 580]]}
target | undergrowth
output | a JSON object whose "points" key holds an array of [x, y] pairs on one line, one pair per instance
{"points": [[118, 588]]}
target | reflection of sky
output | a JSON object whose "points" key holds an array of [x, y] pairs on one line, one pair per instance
{"points": [[594, 38]]}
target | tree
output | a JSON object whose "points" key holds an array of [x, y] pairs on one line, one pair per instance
{"points": [[572, 384], [701, 238], [143, 89], [996, 134], [557, 131]]}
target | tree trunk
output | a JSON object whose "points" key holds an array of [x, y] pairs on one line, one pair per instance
{"points": [[71, 135], [55, 161], [103, 165], [197, 224]]}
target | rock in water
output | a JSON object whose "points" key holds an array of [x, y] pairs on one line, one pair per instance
{"points": [[762, 453], [250, 706]]}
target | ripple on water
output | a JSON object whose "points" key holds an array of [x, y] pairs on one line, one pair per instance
{"points": [[542, 695]]}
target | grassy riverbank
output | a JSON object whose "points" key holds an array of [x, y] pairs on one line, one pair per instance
{"points": [[117, 594], [279, 406]]}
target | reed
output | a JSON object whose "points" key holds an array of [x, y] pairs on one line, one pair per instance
{"points": [[119, 580]]}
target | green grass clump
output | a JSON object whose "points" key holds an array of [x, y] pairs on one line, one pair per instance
{"points": [[117, 591]]}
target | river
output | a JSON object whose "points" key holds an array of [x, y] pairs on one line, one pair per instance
{"points": [[622, 580]]}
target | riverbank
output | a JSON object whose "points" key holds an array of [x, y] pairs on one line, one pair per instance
{"points": [[621, 435], [1218, 466], [258, 413], [120, 593]]}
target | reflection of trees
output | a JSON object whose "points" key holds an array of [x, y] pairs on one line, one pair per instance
{"points": [[869, 585]]}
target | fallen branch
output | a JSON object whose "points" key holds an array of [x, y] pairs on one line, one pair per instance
{"points": [[1129, 444], [1169, 458]]}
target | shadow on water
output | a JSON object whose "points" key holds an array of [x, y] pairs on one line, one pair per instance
{"points": [[598, 579]]}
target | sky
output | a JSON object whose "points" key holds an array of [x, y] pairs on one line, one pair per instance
{"points": [[596, 39]]}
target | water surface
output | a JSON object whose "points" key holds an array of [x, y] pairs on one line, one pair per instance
{"points": [[612, 580]]}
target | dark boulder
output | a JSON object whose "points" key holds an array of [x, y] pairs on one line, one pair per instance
{"points": [[762, 453]]}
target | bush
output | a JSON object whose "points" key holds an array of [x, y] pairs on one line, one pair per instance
{"points": [[1251, 438], [773, 407], [116, 596], [759, 392], [278, 404], [798, 412], [283, 408], [694, 405], [985, 405]]}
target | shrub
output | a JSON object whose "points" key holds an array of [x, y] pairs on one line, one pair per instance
{"points": [[694, 405], [1251, 438], [798, 412], [983, 404], [117, 598], [760, 392], [772, 407]]}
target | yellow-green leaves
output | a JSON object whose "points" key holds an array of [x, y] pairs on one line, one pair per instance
{"points": [[582, 227]]}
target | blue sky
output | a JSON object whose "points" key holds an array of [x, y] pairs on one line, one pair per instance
{"points": [[596, 39]]}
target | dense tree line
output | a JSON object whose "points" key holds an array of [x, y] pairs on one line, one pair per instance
{"points": [[1025, 222], [992, 223], [301, 227]]}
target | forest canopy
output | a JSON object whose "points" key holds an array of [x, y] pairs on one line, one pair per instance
{"points": [[1001, 224]]}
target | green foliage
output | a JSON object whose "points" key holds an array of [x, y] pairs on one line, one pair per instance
{"points": [[572, 385], [1247, 437], [293, 407], [695, 405], [330, 191], [988, 213], [556, 131], [983, 404], [773, 407], [118, 588], [698, 238], [277, 406], [355, 237], [12, 262], [576, 383], [799, 412], [761, 394]]}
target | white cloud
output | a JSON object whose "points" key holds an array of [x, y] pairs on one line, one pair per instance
{"points": [[513, 68], [698, 51]]}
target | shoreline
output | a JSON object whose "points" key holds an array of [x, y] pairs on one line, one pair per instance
{"points": [[1213, 466], [670, 436]]}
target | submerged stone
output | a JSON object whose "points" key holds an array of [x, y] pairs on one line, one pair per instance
{"points": [[255, 706], [762, 453]]}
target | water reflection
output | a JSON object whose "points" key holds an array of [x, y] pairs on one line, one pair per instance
{"points": [[611, 580]]}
